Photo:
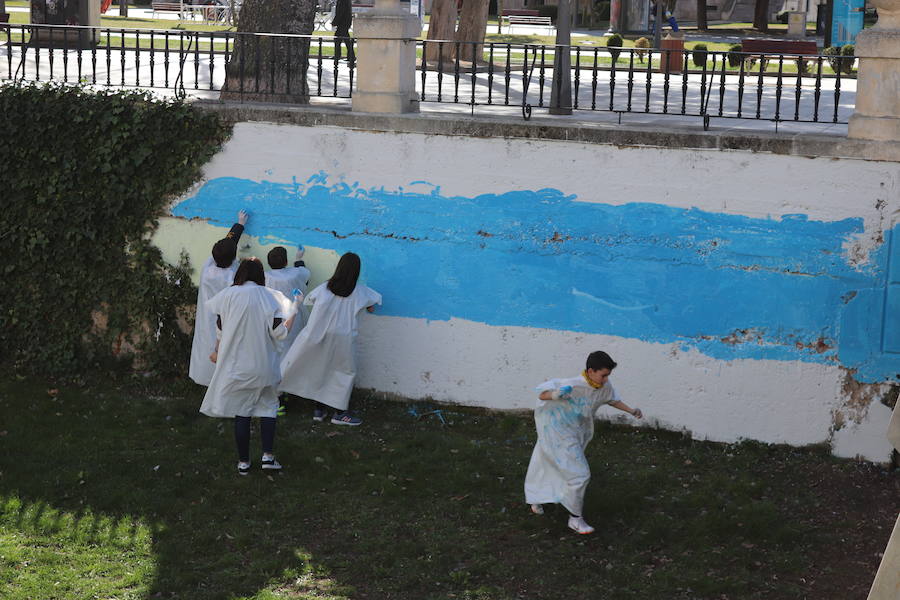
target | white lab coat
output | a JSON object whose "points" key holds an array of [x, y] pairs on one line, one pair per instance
{"points": [[213, 280], [246, 372], [286, 280], [321, 363], [559, 471]]}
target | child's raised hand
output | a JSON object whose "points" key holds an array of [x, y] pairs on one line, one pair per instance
{"points": [[243, 216]]}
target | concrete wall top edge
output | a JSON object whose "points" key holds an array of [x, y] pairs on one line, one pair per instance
{"points": [[543, 129]]}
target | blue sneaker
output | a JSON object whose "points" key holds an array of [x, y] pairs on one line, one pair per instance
{"points": [[345, 418]]}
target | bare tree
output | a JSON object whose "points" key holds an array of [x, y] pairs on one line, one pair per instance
{"points": [[441, 26], [761, 15], [701, 15], [266, 68], [472, 25]]}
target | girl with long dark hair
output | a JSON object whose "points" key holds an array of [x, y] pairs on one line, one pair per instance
{"points": [[321, 363], [250, 317]]}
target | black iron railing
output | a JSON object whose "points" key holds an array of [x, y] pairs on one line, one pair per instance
{"points": [[734, 85], [738, 85], [182, 62]]}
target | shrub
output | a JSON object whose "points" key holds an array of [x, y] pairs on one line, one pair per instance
{"points": [[848, 51], [840, 59], [614, 42], [81, 196], [641, 44], [832, 54], [734, 55], [699, 54]]}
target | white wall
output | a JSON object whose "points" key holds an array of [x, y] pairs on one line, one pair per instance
{"points": [[510, 306]]}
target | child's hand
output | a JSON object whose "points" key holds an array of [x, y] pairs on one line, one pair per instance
{"points": [[562, 393], [637, 414], [243, 216], [300, 252], [214, 356]]}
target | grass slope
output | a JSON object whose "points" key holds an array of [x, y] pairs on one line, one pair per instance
{"points": [[109, 492]]}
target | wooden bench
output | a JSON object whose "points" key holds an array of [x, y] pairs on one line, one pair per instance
{"points": [[528, 20], [162, 7], [792, 47]]}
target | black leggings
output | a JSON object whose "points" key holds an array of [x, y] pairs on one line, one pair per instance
{"points": [[342, 35], [242, 436]]}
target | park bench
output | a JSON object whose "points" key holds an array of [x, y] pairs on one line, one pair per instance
{"points": [[768, 47], [529, 20], [161, 7]]}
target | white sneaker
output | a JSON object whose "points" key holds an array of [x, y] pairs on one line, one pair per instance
{"points": [[269, 463], [537, 509], [578, 525]]}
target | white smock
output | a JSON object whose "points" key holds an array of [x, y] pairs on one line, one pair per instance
{"points": [[558, 471], [321, 363], [213, 280], [246, 371], [286, 280]]}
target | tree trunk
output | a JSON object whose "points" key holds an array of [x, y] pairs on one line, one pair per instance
{"points": [[472, 25], [701, 15], [265, 68], [442, 26], [761, 15]]}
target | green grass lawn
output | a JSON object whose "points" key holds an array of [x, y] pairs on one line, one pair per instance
{"points": [[127, 492]]}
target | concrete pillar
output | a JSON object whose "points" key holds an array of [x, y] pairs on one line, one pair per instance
{"points": [[877, 115], [386, 59]]}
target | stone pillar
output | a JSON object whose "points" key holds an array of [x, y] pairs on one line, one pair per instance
{"points": [[386, 59], [877, 115]]}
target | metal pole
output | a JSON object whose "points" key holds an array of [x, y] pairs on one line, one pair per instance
{"points": [[561, 92]]}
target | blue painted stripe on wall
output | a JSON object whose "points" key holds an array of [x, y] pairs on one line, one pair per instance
{"points": [[729, 285]]}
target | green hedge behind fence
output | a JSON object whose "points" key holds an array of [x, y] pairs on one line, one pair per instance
{"points": [[84, 176]]}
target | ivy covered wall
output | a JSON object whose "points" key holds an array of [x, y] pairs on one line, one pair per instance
{"points": [[84, 177]]}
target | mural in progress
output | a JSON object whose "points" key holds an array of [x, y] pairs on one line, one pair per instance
{"points": [[730, 286]]}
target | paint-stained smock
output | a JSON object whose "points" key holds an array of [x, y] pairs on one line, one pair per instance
{"points": [[559, 471], [213, 280], [321, 363], [246, 375], [286, 280]]}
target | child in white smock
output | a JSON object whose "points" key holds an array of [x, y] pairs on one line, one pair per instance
{"points": [[216, 275], [251, 318], [321, 363], [564, 417]]}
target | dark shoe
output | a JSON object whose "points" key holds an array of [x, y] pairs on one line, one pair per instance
{"points": [[319, 415], [345, 418], [243, 468]]}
